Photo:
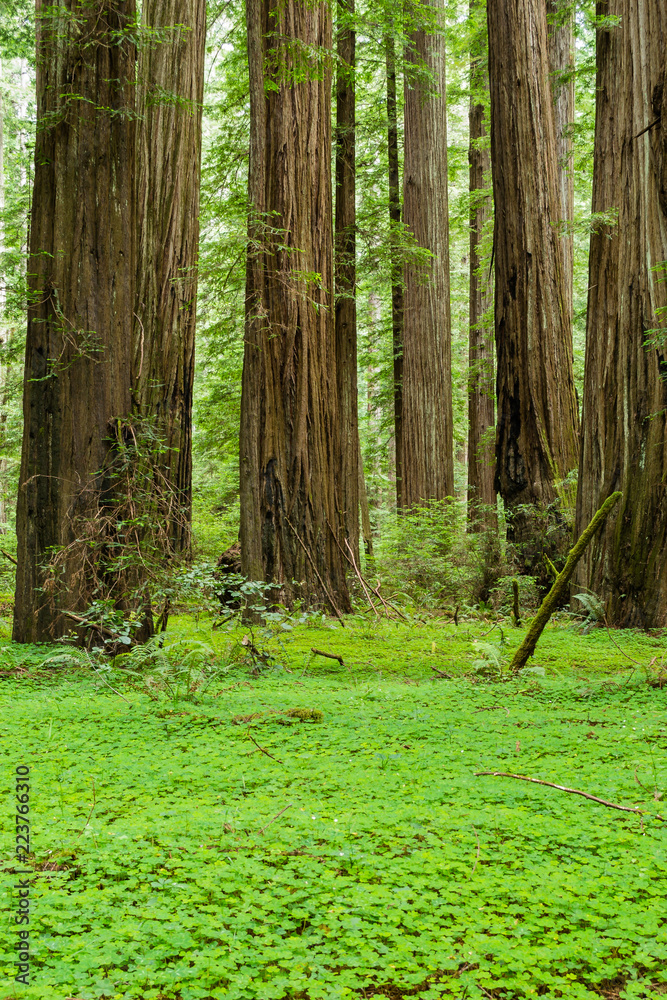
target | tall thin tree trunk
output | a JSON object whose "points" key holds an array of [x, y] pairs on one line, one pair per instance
{"points": [[4, 336], [428, 458], [537, 420], [81, 293], [396, 267], [481, 350], [625, 384], [366, 529], [346, 276], [290, 436], [561, 69], [170, 92]]}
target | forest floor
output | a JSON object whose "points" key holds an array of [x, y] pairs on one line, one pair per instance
{"points": [[192, 842]]}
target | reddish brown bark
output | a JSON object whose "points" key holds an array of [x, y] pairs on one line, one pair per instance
{"points": [[290, 437], [537, 420], [625, 386], [428, 457], [170, 93], [346, 277], [561, 69], [396, 268], [81, 284], [481, 349]]}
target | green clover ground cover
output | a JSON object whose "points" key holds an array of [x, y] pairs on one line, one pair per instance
{"points": [[355, 857]]}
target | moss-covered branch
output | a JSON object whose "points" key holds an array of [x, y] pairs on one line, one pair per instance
{"points": [[553, 598]]}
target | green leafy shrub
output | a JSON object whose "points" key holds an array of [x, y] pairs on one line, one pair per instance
{"points": [[426, 556]]}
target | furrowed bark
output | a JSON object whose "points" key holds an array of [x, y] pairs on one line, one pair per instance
{"points": [[481, 349], [428, 457], [170, 94], [396, 268], [561, 69], [625, 383], [81, 272], [345, 277], [290, 435], [537, 420]]}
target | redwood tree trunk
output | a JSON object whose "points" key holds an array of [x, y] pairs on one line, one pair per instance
{"points": [[290, 439], [171, 85], [346, 277], [537, 421], [625, 385], [561, 69], [396, 268], [428, 459], [481, 350], [81, 292]]}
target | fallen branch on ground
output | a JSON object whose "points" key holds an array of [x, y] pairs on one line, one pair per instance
{"points": [[277, 816], [7, 556], [265, 752], [553, 598], [573, 791], [329, 656], [441, 673]]}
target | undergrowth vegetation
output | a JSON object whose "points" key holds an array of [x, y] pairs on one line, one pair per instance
{"points": [[226, 813]]}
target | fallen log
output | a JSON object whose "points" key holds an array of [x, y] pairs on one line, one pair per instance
{"points": [[553, 598]]}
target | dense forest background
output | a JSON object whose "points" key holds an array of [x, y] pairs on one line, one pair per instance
{"points": [[441, 553]]}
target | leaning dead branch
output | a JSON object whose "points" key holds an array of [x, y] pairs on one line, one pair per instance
{"points": [[572, 791], [265, 752], [329, 656], [555, 595], [366, 587], [312, 563]]}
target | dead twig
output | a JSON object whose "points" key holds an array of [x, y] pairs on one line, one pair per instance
{"points": [[478, 851], [88, 624], [441, 673], [277, 816], [98, 673], [310, 560], [573, 791], [329, 656], [619, 648], [7, 556], [90, 813], [368, 590], [265, 752], [651, 125], [388, 604], [354, 566]]}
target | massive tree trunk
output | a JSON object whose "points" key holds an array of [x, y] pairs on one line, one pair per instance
{"points": [[396, 267], [537, 421], [170, 91], [346, 277], [290, 436], [428, 458], [481, 350], [561, 69], [625, 385], [81, 294]]}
